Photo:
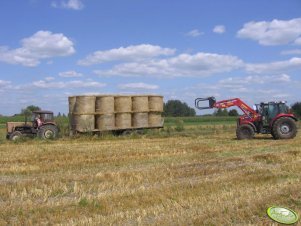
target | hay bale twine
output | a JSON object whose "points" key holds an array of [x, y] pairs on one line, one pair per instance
{"points": [[154, 119], [104, 104], [140, 103], [84, 110], [155, 103], [123, 104], [83, 123], [140, 120], [123, 120], [72, 101], [105, 122]]}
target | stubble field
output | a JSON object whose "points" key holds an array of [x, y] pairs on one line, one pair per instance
{"points": [[196, 176]]}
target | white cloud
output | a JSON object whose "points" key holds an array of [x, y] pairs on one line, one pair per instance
{"points": [[219, 29], [49, 78], [275, 32], [130, 53], [194, 33], [253, 79], [200, 64], [41, 45], [70, 74], [139, 85], [275, 67], [72, 84], [4, 84], [291, 52], [70, 4]]}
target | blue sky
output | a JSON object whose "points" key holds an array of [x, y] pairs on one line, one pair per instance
{"points": [[51, 49]]}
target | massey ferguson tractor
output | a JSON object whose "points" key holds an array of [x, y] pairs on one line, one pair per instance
{"points": [[41, 125], [267, 118]]}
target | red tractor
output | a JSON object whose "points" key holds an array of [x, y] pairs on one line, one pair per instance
{"points": [[267, 118], [42, 125]]}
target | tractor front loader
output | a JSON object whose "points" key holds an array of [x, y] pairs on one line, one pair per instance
{"points": [[268, 118]]}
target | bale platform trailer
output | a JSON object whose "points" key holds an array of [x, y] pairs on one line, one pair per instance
{"points": [[120, 114]]}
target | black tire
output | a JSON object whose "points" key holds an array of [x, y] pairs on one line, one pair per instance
{"points": [[245, 131], [48, 132], [127, 132], [284, 128], [16, 135]]}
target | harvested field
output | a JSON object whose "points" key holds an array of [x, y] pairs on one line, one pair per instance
{"points": [[200, 176]]}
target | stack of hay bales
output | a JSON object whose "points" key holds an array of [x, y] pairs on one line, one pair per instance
{"points": [[115, 112]]}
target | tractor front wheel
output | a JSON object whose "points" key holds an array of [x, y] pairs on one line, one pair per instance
{"points": [[245, 131], [16, 135], [48, 132], [284, 128]]}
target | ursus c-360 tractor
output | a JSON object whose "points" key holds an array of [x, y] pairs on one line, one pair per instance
{"points": [[268, 118], [41, 125]]}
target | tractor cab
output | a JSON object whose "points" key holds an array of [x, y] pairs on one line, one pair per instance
{"points": [[45, 116], [269, 111]]}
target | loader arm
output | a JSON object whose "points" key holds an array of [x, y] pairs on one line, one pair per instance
{"points": [[246, 109]]}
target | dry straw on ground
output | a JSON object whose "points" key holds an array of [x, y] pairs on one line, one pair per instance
{"points": [[208, 179]]}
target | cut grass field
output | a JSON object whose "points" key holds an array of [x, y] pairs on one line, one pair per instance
{"points": [[200, 175]]}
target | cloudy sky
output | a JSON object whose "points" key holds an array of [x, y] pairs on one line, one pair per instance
{"points": [[51, 49]]}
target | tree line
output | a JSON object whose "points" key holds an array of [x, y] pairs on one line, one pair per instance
{"points": [[177, 108]]}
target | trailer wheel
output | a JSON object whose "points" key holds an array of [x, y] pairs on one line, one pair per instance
{"points": [[48, 132], [127, 132], [284, 128], [245, 131], [16, 135]]}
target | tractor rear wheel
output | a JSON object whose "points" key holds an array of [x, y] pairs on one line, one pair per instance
{"points": [[284, 128], [48, 132], [245, 131], [16, 135]]}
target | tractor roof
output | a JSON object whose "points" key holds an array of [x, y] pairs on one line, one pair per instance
{"points": [[42, 112]]}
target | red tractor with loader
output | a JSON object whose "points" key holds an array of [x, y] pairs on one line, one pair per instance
{"points": [[41, 125], [272, 118]]}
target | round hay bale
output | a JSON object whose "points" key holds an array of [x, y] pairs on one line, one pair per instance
{"points": [[140, 103], [105, 122], [154, 119], [140, 120], [85, 104], [155, 103], [84, 123], [104, 104], [123, 104], [72, 101], [123, 120]]}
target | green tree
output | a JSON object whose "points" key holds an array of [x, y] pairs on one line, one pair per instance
{"points": [[233, 112], [297, 109], [176, 108], [221, 112], [29, 109]]}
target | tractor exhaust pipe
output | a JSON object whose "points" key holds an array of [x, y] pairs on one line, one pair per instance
{"points": [[200, 101]]}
